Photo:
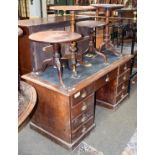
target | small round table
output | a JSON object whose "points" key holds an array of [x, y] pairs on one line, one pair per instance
{"points": [[20, 31], [107, 42], [55, 38], [26, 101], [92, 24], [72, 8]]}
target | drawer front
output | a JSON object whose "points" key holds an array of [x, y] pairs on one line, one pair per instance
{"points": [[83, 107], [82, 129], [122, 95], [122, 87], [81, 119], [106, 79], [123, 68], [124, 77], [82, 94]]}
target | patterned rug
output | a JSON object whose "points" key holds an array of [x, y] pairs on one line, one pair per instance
{"points": [[131, 148], [85, 149]]}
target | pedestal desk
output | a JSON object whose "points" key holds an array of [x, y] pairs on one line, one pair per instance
{"points": [[67, 115]]}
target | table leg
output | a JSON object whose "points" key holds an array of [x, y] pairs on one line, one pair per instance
{"points": [[72, 21], [91, 51], [73, 58], [107, 42], [57, 63]]}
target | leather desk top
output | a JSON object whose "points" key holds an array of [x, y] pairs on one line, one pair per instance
{"points": [[87, 75]]}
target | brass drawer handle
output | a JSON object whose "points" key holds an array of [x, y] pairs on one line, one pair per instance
{"points": [[123, 87], [84, 129], [107, 79], [125, 67], [84, 107], [122, 96], [124, 78], [84, 94], [83, 119]]}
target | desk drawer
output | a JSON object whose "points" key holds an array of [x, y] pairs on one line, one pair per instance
{"points": [[82, 129], [83, 107], [82, 118], [82, 94], [122, 86], [122, 95], [124, 67], [106, 79], [124, 77]]}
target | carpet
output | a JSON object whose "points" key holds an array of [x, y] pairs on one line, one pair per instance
{"points": [[85, 149], [131, 148]]}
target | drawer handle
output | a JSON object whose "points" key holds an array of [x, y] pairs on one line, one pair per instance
{"points": [[125, 67], [122, 96], [84, 129], [107, 79], [84, 107], [84, 94], [83, 119], [123, 87], [124, 78]]}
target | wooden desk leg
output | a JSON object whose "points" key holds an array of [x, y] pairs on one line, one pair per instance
{"points": [[57, 63]]}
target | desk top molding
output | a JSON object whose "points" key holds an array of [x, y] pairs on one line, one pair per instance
{"points": [[71, 8], [83, 83]]}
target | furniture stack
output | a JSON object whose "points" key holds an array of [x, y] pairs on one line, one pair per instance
{"points": [[67, 93]]}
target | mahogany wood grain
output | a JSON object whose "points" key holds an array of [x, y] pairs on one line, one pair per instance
{"points": [[53, 113]]}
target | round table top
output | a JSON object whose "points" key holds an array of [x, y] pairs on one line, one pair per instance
{"points": [[54, 36], [26, 101], [20, 31], [108, 6], [72, 7], [91, 23], [127, 10]]}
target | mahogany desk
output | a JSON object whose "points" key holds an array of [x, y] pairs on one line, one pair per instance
{"points": [[67, 116], [30, 54]]}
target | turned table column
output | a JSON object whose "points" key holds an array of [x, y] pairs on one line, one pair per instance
{"points": [[107, 41]]}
